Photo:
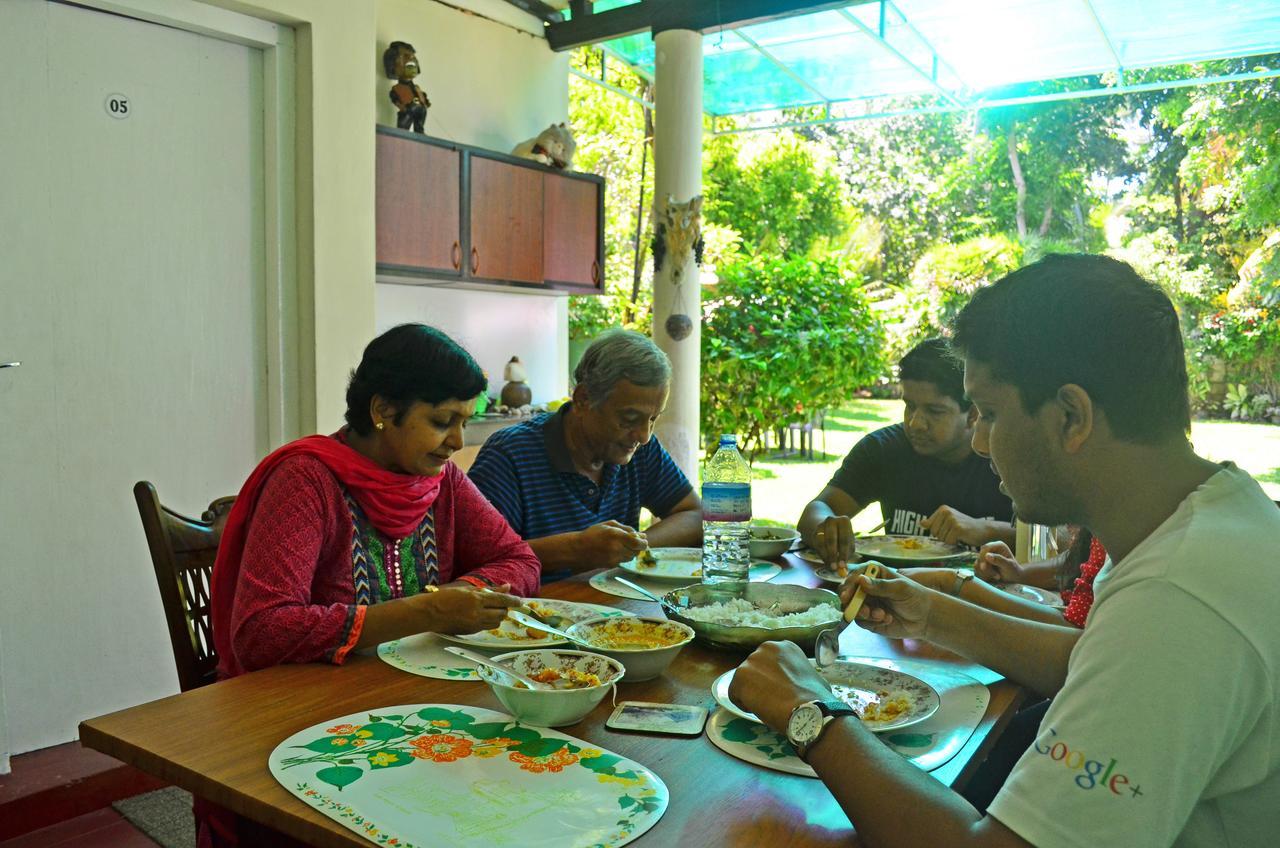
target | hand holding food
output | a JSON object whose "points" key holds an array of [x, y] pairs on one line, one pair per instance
{"points": [[458, 610], [833, 541], [952, 526], [996, 564], [894, 605], [611, 542]]}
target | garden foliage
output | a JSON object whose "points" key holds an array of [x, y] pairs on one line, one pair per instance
{"points": [[782, 340]]}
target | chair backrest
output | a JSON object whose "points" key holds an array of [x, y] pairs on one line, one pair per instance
{"points": [[182, 552]]}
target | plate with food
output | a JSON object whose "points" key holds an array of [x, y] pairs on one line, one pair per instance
{"points": [[672, 564], [1033, 593], [908, 549], [884, 698], [510, 636]]}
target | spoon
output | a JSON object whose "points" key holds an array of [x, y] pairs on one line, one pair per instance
{"points": [[488, 663], [826, 649], [529, 621], [625, 582]]}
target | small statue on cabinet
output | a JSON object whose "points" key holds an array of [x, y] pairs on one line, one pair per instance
{"points": [[401, 64], [553, 147], [516, 393]]}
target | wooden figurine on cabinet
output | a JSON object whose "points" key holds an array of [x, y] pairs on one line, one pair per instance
{"points": [[400, 62]]}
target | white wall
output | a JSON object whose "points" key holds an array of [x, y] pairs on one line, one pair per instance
{"points": [[493, 327], [490, 86]]}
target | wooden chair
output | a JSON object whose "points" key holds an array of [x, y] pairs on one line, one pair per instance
{"points": [[182, 551]]}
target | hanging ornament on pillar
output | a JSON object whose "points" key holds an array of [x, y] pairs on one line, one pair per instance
{"points": [[678, 236]]}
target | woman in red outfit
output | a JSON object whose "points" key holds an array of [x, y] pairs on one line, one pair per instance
{"points": [[340, 542]]}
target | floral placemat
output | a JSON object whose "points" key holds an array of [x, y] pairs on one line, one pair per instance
{"points": [[929, 744], [464, 777], [603, 581], [424, 655]]}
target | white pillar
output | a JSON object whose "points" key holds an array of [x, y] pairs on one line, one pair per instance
{"points": [[677, 156]]}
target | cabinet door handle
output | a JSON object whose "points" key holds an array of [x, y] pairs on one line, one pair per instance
{"points": [[475, 260], [595, 272], [455, 255]]}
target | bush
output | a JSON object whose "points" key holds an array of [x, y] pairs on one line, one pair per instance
{"points": [[783, 339]]}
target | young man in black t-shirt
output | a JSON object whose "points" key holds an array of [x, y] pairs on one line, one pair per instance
{"points": [[923, 472]]}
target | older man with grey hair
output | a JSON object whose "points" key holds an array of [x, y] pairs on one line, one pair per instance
{"points": [[572, 483]]}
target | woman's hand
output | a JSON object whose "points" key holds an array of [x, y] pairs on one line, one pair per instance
{"points": [[996, 564], [895, 606], [465, 610], [774, 680]]}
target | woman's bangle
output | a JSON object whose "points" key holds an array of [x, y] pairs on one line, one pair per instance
{"points": [[474, 581]]}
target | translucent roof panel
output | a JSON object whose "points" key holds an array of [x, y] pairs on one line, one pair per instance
{"points": [[957, 51]]}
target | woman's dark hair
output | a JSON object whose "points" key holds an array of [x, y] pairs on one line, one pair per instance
{"points": [[409, 363], [1091, 321], [932, 361]]}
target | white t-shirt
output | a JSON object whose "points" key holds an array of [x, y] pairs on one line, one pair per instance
{"points": [[1167, 730]]}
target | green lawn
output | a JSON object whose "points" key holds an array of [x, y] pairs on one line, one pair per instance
{"points": [[781, 487]]}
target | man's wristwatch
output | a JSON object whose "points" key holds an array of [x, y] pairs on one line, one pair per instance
{"points": [[963, 576], [809, 720]]}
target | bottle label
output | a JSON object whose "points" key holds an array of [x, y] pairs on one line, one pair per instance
{"points": [[726, 501]]}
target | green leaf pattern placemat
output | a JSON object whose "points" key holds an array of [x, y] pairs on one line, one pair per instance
{"points": [[447, 775], [929, 744]]}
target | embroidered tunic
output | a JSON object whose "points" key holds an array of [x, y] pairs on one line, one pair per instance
{"points": [[313, 563]]}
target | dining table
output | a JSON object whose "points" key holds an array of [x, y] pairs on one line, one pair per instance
{"points": [[215, 741]]}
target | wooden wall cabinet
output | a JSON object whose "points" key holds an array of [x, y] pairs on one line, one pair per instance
{"points": [[452, 211]]}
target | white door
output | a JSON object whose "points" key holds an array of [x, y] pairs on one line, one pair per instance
{"points": [[132, 290]]}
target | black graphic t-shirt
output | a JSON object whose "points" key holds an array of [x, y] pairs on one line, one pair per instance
{"points": [[883, 467]]}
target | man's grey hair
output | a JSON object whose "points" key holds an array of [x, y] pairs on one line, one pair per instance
{"points": [[618, 355]]}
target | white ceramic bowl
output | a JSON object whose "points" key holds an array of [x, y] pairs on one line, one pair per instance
{"points": [[552, 707], [664, 640], [770, 542]]}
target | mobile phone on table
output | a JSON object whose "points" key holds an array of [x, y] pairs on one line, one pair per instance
{"points": [[647, 717]]}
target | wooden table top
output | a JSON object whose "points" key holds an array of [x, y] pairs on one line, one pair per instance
{"points": [[715, 799]]}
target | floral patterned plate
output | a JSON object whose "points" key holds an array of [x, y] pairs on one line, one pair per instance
{"points": [[510, 636], [885, 698], [457, 777]]}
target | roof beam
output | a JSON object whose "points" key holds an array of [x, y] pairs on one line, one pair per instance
{"points": [[786, 70], [930, 75], [1102, 31], [661, 15], [539, 10]]}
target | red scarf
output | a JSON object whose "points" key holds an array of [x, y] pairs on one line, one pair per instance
{"points": [[1080, 599], [393, 503]]}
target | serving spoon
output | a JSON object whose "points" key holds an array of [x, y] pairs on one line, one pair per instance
{"points": [[479, 659], [625, 582], [529, 621]]}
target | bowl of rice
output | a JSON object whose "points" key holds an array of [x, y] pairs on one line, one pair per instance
{"points": [[580, 680], [646, 646], [742, 616]]}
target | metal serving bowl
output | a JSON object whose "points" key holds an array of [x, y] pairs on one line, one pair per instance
{"points": [[763, 595]]}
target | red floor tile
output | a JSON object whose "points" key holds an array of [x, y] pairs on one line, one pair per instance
{"points": [[103, 828]]}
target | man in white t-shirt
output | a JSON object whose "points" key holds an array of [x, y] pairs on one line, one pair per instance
{"points": [[1165, 722]]}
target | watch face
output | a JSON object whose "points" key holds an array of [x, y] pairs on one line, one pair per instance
{"points": [[805, 724]]}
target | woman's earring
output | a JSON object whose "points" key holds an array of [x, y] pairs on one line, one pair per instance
{"points": [[380, 425]]}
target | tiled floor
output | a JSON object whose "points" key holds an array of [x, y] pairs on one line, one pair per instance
{"points": [[104, 828]]}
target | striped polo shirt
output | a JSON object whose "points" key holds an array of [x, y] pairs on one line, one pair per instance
{"points": [[526, 472]]}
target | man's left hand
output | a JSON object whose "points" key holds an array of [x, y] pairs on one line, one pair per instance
{"points": [[952, 526], [774, 680]]}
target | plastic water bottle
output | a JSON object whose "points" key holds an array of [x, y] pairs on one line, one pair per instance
{"points": [[726, 514]]}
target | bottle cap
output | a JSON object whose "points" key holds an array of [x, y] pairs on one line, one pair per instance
{"points": [[728, 439]]}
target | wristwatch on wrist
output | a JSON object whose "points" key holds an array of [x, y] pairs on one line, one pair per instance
{"points": [[963, 576], [809, 720]]}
